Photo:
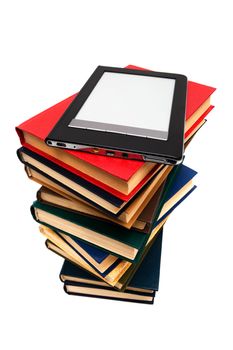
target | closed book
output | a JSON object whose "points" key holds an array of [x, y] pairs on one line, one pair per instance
{"points": [[141, 288], [118, 176], [88, 290], [50, 197], [117, 240]]}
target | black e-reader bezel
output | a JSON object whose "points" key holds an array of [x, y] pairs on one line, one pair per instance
{"points": [[168, 151]]}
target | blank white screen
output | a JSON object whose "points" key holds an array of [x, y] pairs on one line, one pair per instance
{"points": [[130, 100]]}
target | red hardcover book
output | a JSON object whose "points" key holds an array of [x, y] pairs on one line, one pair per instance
{"points": [[40, 125]]}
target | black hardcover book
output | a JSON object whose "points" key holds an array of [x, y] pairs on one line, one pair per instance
{"points": [[72, 177]]}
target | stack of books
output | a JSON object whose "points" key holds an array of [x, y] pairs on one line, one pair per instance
{"points": [[105, 216]]}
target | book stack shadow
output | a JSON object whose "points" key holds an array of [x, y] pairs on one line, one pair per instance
{"points": [[105, 216]]}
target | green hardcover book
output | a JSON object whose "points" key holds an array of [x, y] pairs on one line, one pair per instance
{"points": [[112, 238]]}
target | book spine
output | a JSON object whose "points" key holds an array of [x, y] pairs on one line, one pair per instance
{"points": [[168, 185], [135, 267], [19, 155], [28, 172], [38, 195], [33, 212], [20, 134]]}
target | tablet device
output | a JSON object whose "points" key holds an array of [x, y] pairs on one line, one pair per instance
{"points": [[126, 113]]}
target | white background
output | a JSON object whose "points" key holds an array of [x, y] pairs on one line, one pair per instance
{"points": [[48, 50]]}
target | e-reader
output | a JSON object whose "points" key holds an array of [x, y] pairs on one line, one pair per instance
{"points": [[126, 113]]}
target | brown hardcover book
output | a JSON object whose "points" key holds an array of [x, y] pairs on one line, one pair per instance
{"points": [[128, 214], [50, 197]]}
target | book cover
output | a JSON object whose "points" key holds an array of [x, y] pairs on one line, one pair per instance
{"points": [[183, 175]]}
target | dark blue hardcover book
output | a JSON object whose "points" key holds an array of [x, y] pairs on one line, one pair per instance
{"points": [[146, 277], [88, 290], [183, 176], [141, 289]]}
